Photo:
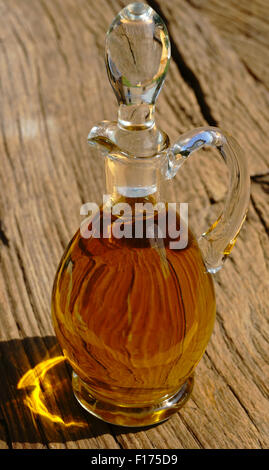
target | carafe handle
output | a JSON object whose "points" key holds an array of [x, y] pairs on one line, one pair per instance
{"points": [[217, 242]]}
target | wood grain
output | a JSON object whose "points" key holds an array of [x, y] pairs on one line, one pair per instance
{"points": [[53, 89]]}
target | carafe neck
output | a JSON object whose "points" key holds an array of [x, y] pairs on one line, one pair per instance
{"points": [[132, 178], [136, 116]]}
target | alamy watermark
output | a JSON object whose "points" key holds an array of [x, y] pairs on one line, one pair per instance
{"points": [[139, 220]]}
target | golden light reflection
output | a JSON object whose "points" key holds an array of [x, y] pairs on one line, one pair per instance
{"points": [[36, 380]]}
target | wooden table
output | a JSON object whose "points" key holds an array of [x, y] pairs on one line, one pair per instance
{"points": [[53, 89]]}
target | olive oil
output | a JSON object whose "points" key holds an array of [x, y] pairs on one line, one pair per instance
{"points": [[133, 316]]}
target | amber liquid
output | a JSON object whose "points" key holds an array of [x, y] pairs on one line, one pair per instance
{"points": [[133, 316]]}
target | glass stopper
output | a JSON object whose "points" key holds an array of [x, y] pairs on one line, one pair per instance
{"points": [[137, 54]]}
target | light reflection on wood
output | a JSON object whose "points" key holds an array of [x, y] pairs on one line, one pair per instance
{"points": [[37, 380]]}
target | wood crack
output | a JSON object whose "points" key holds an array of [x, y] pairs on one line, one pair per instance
{"points": [[43, 111], [3, 237], [234, 350], [245, 410], [115, 436], [191, 432], [217, 371], [21, 43], [262, 180], [186, 72], [56, 32], [260, 215], [258, 177], [28, 287], [6, 431], [252, 74]]}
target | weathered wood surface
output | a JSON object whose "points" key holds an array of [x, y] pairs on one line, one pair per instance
{"points": [[53, 89]]}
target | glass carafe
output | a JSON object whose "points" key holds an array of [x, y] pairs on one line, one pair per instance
{"points": [[133, 301]]}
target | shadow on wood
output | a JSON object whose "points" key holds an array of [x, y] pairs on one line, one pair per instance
{"points": [[37, 401]]}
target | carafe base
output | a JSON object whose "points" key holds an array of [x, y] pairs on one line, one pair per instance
{"points": [[130, 416]]}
